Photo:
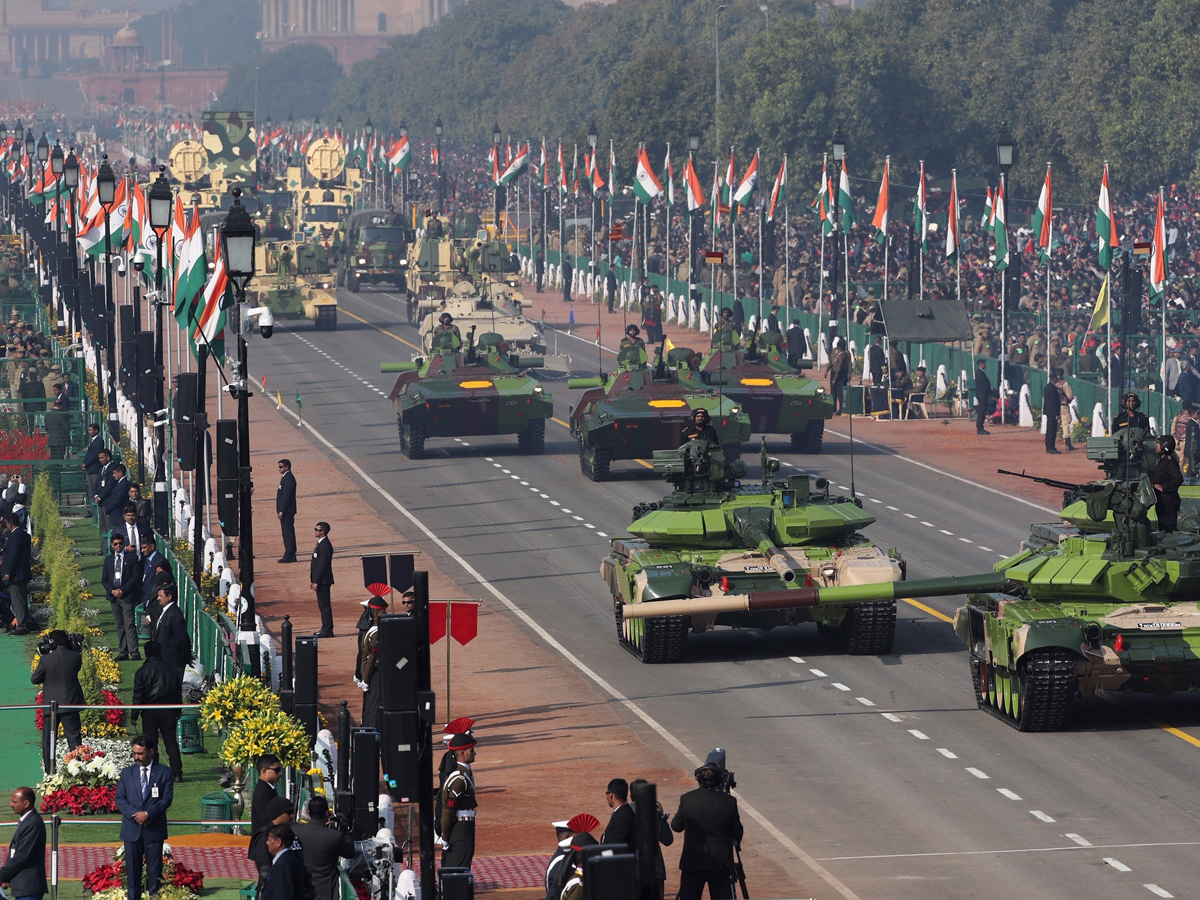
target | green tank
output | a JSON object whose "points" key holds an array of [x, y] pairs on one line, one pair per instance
{"points": [[642, 408], [469, 389], [777, 396], [715, 551], [290, 272]]}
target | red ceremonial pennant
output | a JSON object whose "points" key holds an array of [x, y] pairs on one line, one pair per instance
{"points": [[464, 622], [437, 620]]}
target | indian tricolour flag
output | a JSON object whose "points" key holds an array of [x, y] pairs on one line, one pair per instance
{"points": [[881, 205], [400, 154], [1042, 224], [562, 172], [645, 186], [823, 203], [1000, 229], [669, 178], [920, 218], [691, 184], [516, 166], [210, 324], [952, 219], [845, 201], [989, 215], [1158, 253], [745, 189], [190, 270], [1106, 226], [779, 191]]}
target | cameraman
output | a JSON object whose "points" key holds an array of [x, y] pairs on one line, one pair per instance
{"points": [[58, 673], [708, 818]]}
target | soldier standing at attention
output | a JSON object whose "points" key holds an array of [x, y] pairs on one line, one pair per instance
{"points": [[457, 823], [725, 334]]}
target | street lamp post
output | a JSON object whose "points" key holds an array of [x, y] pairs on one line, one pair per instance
{"points": [[71, 179], [368, 133], [437, 131], [106, 189], [1006, 150], [412, 189], [717, 104], [592, 138], [237, 242], [766, 11], [56, 166], [495, 168], [159, 201]]}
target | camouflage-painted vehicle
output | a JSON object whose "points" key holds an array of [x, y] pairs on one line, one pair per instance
{"points": [[230, 142], [778, 398], [641, 408], [441, 264], [294, 282], [496, 307], [719, 550], [471, 389], [375, 251], [326, 191]]}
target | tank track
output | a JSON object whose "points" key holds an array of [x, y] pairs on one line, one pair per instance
{"points": [[412, 445], [533, 441], [870, 628], [597, 468], [810, 439], [664, 640], [1047, 684]]}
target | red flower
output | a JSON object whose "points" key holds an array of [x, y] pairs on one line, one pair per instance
{"points": [[81, 801]]}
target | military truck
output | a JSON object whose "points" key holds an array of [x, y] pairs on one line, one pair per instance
{"points": [[374, 251], [326, 191]]}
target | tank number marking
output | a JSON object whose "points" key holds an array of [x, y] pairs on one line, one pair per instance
{"points": [[758, 569], [1151, 626], [510, 402]]}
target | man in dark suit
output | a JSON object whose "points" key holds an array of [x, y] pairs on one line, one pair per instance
{"points": [[150, 578], [144, 507], [144, 794], [91, 457], [322, 847], [708, 818], [23, 874], [132, 528], [285, 509], [172, 631], [116, 496], [797, 343], [104, 477], [320, 577], [16, 571], [157, 681], [122, 580], [1052, 410], [288, 879], [58, 674], [622, 827], [269, 772], [983, 396]]}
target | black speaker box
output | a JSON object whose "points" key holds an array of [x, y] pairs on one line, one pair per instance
{"points": [[399, 743], [185, 446], [456, 883], [364, 779], [306, 669], [145, 353], [398, 662], [227, 448], [227, 506], [609, 873], [186, 387]]}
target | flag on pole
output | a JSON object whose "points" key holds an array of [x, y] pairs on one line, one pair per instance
{"points": [[299, 403], [1100, 313], [190, 271], [989, 215], [575, 171], [1042, 224], [1000, 229], [218, 297], [1106, 226], [545, 168], [881, 205], [779, 191], [822, 204], [516, 166], [845, 201], [952, 220], [692, 186], [645, 186], [612, 172], [1158, 253], [727, 189], [597, 178], [920, 219], [400, 154], [669, 178], [562, 172], [716, 203], [749, 182]]}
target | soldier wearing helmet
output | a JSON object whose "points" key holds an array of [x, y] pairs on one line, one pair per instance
{"points": [[446, 326], [632, 339], [1131, 417], [1166, 479], [700, 429]]}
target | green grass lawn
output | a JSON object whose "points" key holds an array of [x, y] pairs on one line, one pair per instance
{"points": [[214, 889]]}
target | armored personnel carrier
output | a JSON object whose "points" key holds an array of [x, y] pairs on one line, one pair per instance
{"points": [[714, 541], [642, 408], [473, 389], [495, 306], [778, 398]]}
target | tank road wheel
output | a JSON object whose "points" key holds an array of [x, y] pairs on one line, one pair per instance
{"points": [[412, 441], [533, 441], [869, 628], [1045, 683], [352, 282], [809, 440]]}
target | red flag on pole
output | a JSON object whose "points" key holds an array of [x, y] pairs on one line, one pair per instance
{"points": [[437, 620], [464, 621]]}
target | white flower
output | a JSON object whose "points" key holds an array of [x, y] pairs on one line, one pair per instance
{"points": [[74, 767]]}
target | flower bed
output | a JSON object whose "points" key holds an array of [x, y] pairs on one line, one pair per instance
{"points": [[85, 783], [107, 882]]}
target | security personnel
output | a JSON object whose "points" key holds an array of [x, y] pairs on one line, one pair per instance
{"points": [[708, 818], [573, 889], [700, 429], [457, 824], [631, 339], [725, 334], [447, 326], [1131, 417]]}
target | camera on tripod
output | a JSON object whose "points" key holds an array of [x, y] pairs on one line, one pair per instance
{"points": [[714, 774]]}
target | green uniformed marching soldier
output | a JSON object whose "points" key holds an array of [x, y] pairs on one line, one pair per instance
{"points": [[700, 429], [725, 333], [631, 339], [447, 326], [457, 824]]}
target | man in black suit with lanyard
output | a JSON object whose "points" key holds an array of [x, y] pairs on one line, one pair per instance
{"points": [[285, 509], [23, 875], [321, 577]]}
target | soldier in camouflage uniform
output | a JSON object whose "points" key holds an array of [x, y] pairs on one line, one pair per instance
{"points": [[631, 339], [457, 823], [725, 333], [446, 326]]}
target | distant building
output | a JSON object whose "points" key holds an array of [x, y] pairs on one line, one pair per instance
{"points": [[41, 37]]}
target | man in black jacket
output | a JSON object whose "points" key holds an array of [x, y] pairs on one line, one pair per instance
{"points": [[285, 509], [1052, 410], [797, 343], [322, 847], [116, 496], [621, 828], [269, 772], [288, 878], [708, 818], [23, 874], [122, 580], [150, 578], [321, 577], [17, 570], [133, 528], [91, 457], [157, 681], [103, 479], [58, 674], [983, 396], [171, 631]]}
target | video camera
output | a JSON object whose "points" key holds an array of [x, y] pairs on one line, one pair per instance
{"points": [[713, 774], [46, 645]]}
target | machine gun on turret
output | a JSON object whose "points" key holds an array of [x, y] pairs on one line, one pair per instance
{"points": [[660, 364]]}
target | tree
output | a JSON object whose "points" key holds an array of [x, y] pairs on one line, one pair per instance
{"points": [[213, 33], [296, 81]]}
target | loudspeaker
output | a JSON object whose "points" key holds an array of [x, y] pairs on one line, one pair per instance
{"points": [[398, 662], [769, 256], [455, 883], [147, 390], [364, 781], [144, 366], [306, 669], [128, 348], [399, 742], [1133, 300], [307, 714], [227, 448], [99, 306], [186, 387], [609, 873], [227, 505], [185, 446], [145, 352]]}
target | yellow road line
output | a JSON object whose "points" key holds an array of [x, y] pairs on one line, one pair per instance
{"points": [[644, 463], [928, 609], [558, 421], [1182, 735], [395, 337]]}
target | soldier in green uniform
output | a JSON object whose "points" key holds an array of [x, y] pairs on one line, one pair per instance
{"points": [[457, 824], [447, 326], [631, 339], [725, 333]]}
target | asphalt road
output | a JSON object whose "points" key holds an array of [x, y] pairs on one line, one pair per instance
{"points": [[873, 777]]}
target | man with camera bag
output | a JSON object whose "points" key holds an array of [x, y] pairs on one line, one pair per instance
{"points": [[708, 818], [58, 673]]}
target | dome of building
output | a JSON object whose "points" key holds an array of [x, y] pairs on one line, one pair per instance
{"points": [[126, 37]]}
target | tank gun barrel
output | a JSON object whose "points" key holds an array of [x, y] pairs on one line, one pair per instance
{"points": [[795, 598], [390, 367], [759, 534], [1049, 482], [593, 381]]}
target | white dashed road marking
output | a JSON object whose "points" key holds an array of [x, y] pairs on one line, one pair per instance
{"points": [[919, 735], [1117, 864], [1009, 794], [1038, 814], [1082, 842], [976, 772], [946, 753]]}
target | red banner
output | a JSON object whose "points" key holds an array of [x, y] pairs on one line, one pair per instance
{"points": [[464, 620], [437, 620]]}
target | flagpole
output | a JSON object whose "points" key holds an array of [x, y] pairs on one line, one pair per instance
{"points": [[716, 211], [733, 232], [821, 270], [787, 270], [1162, 353], [667, 202]]}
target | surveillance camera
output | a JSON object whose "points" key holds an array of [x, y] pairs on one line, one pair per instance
{"points": [[231, 388], [120, 268], [266, 320]]}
